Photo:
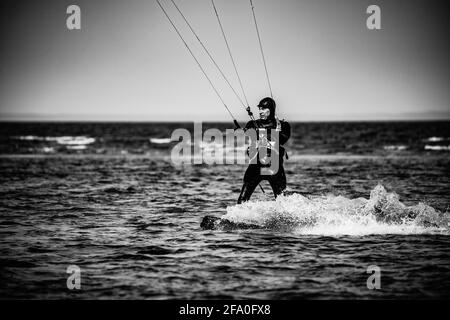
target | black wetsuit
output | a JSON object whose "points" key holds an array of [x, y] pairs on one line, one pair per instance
{"points": [[253, 175]]}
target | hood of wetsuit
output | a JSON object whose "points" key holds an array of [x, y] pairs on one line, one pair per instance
{"points": [[270, 104]]}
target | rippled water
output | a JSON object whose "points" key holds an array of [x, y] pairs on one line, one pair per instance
{"points": [[132, 224]]}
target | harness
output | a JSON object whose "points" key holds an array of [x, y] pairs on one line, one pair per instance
{"points": [[278, 128], [270, 145]]}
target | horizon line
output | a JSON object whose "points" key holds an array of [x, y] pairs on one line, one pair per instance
{"points": [[345, 117], [208, 121]]}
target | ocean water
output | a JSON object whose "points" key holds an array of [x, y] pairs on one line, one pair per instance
{"points": [[107, 198]]}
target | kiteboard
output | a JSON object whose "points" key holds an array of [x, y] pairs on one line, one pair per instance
{"points": [[214, 223]]}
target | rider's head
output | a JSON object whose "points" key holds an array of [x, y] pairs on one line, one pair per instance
{"points": [[267, 108]]}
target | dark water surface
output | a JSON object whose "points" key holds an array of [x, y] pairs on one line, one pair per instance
{"points": [[130, 221]]}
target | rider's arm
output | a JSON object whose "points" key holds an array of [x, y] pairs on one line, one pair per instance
{"points": [[249, 125], [285, 132]]}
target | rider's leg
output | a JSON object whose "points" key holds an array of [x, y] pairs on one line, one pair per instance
{"points": [[278, 182], [251, 180]]}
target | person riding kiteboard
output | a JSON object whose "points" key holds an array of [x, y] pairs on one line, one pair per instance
{"points": [[268, 120]]}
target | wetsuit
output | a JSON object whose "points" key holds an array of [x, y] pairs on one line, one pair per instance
{"points": [[253, 175]]}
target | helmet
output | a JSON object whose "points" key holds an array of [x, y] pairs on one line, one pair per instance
{"points": [[268, 103]]}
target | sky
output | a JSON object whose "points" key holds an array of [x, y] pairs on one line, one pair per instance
{"points": [[128, 64]]}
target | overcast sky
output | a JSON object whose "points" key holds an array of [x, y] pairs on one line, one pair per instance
{"points": [[127, 62]]}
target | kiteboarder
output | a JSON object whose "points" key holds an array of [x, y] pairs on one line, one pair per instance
{"points": [[268, 120], [253, 176]]}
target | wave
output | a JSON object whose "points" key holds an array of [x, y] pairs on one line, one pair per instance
{"points": [[395, 148], [76, 147], [65, 140], [80, 140], [436, 139], [29, 138], [437, 148], [382, 213], [48, 150], [160, 140]]}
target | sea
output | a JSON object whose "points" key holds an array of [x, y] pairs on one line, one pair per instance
{"points": [[101, 211]]}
